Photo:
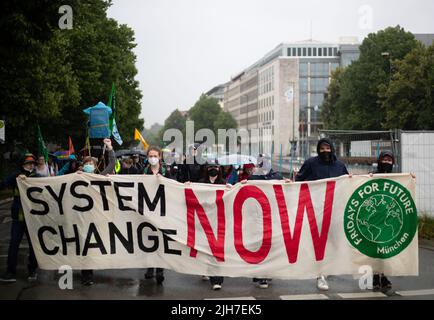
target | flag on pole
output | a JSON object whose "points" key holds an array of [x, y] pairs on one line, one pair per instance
{"points": [[112, 120], [138, 136], [88, 146], [42, 150], [71, 147]]}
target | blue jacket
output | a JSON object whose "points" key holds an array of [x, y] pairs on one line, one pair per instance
{"points": [[314, 168]]}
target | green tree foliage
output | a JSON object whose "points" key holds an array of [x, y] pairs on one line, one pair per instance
{"points": [[176, 120], [225, 120], [408, 101], [204, 113], [49, 75], [353, 102]]}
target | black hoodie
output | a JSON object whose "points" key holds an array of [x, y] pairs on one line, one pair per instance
{"points": [[314, 168]]}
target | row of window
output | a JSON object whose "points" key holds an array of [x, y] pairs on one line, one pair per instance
{"points": [[266, 116], [316, 84], [316, 99], [266, 102], [313, 52], [266, 80], [317, 69]]}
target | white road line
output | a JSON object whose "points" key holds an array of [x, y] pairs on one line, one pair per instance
{"points": [[315, 296], [361, 295], [233, 298], [411, 293]]}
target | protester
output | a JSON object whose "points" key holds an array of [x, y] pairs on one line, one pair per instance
{"points": [[213, 175], [385, 164], [247, 171], [41, 168], [52, 167], [324, 165], [128, 167], [90, 166], [155, 167], [192, 168], [137, 164], [262, 171], [19, 227]]}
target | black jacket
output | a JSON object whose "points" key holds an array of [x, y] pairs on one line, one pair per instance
{"points": [[272, 175], [192, 172], [314, 168]]}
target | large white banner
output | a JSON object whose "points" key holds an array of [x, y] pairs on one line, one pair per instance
{"points": [[268, 229]]}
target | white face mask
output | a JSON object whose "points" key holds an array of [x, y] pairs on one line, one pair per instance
{"points": [[153, 161]]}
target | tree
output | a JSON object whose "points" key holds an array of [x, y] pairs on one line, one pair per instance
{"points": [[176, 120], [225, 120], [48, 75], [408, 101], [204, 113], [357, 105]]}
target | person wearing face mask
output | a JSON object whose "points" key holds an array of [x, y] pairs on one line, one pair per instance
{"points": [[89, 166], [385, 164], [128, 167], [324, 165], [19, 227], [42, 168], [213, 175], [155, 167]]}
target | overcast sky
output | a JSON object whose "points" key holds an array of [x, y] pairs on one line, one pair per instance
{"points": [[186, 47]]}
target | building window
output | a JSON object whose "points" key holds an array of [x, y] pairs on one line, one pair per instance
{"points": [[299, 52], [330, 52], [303, 70], [289, 52], [294, 52], [304, 52], [309, 52], [319, 52], [314, 52], [335, 51]]}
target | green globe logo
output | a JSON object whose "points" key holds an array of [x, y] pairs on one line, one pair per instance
{"points": [[380, 218]]}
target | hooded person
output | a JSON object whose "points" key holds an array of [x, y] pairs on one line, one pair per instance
{"points": [[324, 165], [385, 162], [19, 228]]}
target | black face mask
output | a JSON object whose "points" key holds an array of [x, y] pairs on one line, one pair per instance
{"points": [[213, 172], [385, 167], [325, 156]]}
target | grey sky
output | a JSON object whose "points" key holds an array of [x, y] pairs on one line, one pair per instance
{"points": [[186, 47]]}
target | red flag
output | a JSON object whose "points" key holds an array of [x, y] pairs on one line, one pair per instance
{"points": [[71, 147]]}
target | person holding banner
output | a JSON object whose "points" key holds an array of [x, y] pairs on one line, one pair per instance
{"points": [[384, 165], [156, 168], [90, 166], [19, 227], [213, 175], [324, 165]]}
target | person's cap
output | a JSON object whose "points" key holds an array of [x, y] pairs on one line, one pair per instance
{"points": [[29, 158]]}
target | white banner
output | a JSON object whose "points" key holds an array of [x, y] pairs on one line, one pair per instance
{"points": [[268, 229]]}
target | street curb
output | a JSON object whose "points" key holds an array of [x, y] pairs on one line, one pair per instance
{"points": [[6, 200]]}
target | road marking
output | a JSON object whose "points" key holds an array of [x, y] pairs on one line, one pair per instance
{"points": [[411, 293], [314, 296], [7, 219], [361, 295], [234, 298]]}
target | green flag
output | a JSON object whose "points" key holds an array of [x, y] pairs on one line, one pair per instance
{"points": [[112, 106], [42, 150]]}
